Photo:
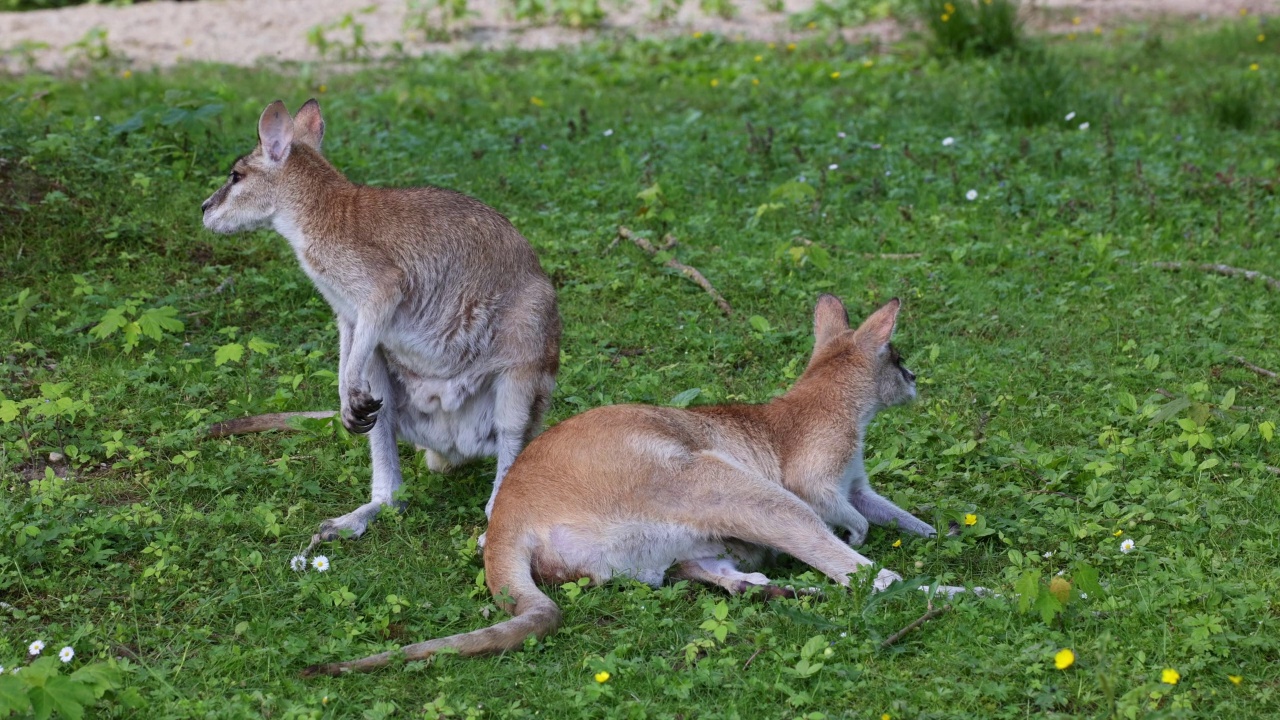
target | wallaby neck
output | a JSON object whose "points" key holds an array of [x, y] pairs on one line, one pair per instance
{"points": [[316, 191], [822, 418]]}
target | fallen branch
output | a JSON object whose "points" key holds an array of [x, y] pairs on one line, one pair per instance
{"points": [[1269, 468], [933, 613], [689, 272], [892, 256], [1227, 270], [263, 423], [1259, 370], [753, 657]]}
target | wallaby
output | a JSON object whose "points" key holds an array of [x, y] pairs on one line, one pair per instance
{"points": [[633, 490], [448, 331]]}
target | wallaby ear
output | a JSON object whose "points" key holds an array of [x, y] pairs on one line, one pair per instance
{"points": [[829, 320], [308, 125], [275, 132], [877, 330]]}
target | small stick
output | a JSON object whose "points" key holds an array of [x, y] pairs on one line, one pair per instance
{"points": [[753, 657], [687, 271], [892, 256], [1259, 370], [933, 613], [1227, 270], [1269, 468]]}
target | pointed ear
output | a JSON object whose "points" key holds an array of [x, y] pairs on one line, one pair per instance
{"points": [[308, 125], [877, 330], [829, 320], [275, 132]]}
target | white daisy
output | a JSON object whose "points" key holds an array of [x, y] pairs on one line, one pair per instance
{"points": [[1048, 555], [1071, 116], [320, 562], [971, 195], [608, 132], [841, 135], [36, 647], [298, 563], [1126, 547], [833, 166], [948, 141], [1084, 126], [66, 654], [1084, 596]]}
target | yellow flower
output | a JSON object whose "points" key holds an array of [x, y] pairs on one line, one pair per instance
{"points": [[1097, 31], [1075, 20], [1118, 533], [1244, 11], [759, 58], [970, 519], [868, 63], [835, 75], [126, 74], [897, 543], [1262, 38], [1169, 676], [772, 45], [755, 81], [791, 47], [602, 676], [697, 35], [324, 700], [1235, 679], [1064, 659], [885, 717], [1251, 67], [1071, 36], [813, 26], [537, 101], [945, 17], [323, 88], [715, 83], [951, 9]]}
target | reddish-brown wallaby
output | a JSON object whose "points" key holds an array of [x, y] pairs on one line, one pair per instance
{"points": [[448, 332], [635, 490]]}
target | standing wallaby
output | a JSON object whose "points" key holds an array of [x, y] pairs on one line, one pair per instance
{"points": [[447, 327], [633, 490]]}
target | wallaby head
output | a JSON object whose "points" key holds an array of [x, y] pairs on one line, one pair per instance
{"points": [[864, 357], [261, 181]]}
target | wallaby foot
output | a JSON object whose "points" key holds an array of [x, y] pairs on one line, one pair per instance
{"points": [[354, 522], [436, 462], [360, 412]]}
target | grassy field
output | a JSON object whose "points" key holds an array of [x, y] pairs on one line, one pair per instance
{"points": [[1075, 397]]}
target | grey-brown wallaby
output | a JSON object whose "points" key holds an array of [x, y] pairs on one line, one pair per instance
{"points": [[448, 331]]}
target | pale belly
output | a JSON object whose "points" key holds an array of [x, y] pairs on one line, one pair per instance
{"points": [[452, 416], [639, 550]]}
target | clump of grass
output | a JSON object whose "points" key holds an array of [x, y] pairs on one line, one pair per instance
{"points": [[1034, 89], [1234, 104], [972, 27]]}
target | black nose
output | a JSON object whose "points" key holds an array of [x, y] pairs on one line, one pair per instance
{"points": [[204, 206]]}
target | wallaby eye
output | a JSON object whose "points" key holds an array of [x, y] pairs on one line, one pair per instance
{"points": [[235, 177]]}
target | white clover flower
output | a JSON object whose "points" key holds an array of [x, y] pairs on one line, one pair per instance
{"points": [[298, 563], [1126, 547], [1071, 116], [887, 173], [97, 118], [971, 195], [948, 141], [1084, 596], [66, 654], [841, 135], [320, 562], [1048, 555], [1084, 126], [36, 647], [833, 166], [608, 132]]}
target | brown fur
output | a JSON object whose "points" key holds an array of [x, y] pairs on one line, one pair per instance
{"points": [[633, 489]]}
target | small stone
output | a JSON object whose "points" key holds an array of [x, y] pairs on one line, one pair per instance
{"points": [[56, 457]]}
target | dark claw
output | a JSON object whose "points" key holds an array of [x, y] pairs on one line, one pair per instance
{"points": [[363, 410]]}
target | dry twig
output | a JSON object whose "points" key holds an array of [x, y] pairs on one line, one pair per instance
{"points": [[1259, 370], [753, 657], [1269, 468], [892, 256], [1227, 270], [689, 272], [933, 613]]}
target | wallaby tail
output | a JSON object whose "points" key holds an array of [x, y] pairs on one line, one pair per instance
{"points": [[508, 569], [262, 423]]}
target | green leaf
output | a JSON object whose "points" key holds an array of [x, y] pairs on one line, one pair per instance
{"points": [[1047, 604], [1169, 409], [231, 352], [721, 610], [63, 694], [760, 324], [1086, 580], [1228, 400], [813, 646], [683, 399], [101, 677], [1267, 430], [260, 346], [155, 321], [794, 191], [1027, 587], [112, 320], [1209, 463], [13, 696]]}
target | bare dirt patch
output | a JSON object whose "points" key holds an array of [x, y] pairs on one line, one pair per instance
{"points": [[246, 32]]}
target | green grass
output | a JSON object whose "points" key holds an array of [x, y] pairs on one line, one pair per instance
{"points": [[1044, 341]]}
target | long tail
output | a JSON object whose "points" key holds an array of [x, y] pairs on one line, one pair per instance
{"points": [[508, 570], [262, 423]]}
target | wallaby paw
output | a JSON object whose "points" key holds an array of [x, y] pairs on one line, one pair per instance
{"points": [[360, 412], [437, 462], [340, 527]]}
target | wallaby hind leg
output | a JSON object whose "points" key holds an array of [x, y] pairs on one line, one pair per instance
{"points": [[722, 573], [520, 397], [385, 459]]}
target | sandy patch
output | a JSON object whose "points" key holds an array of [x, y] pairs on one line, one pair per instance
{"points": [[245, 32]]}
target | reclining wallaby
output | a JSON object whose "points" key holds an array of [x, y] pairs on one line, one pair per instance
{"points": [[633, 490], [448, 332]]}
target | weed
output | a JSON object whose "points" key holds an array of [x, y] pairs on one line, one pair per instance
{"points": [[1234, 102], [977, 27], [442, 20], [1035, 88]]}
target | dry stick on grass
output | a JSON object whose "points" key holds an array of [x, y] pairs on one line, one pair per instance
{"points": [[1227, 270], [753, 657], [892, 256], [1259, 370], [1269, 468], [689, 272], [933, 613]]}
